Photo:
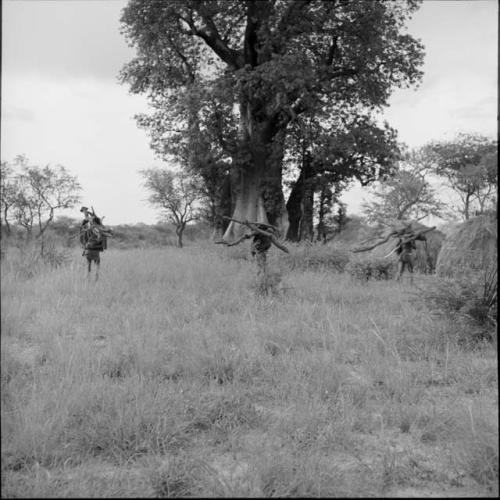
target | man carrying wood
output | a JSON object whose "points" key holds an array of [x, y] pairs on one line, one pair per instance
{"points": [[404, 248], [263, 236], [406, 259]]}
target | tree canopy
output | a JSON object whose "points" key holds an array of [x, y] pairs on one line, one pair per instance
{"points": [[469, 163]]}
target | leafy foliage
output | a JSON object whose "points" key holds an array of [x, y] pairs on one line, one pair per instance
{"points": [[293, 50], [330, 152], [197, 130], [472, 297]]}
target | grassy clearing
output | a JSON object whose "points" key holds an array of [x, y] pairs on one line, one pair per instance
{"points": [[170, 376]]}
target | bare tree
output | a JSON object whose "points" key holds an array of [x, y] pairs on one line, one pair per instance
{"points": [[175, 194]]}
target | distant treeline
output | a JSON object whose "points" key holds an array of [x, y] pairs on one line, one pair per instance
{"points": [[66, 231]]}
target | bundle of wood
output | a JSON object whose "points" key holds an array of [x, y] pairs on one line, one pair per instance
{"points": [[404, 233], [267, 231], [93, 231]]}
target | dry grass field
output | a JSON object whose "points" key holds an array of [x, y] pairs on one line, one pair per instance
{"points": [[171, 376]]}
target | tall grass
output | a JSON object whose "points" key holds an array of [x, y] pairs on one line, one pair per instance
{"points": [[170, 376]]}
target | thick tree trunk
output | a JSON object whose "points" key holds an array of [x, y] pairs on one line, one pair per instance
{"points": [[250, 205], [249, 202], [258, 175]]}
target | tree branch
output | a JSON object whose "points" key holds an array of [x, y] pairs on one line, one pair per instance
{"points": [[344, 72], [213, 39], [406, 234]]}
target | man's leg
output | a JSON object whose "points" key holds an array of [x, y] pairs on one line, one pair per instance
{"points": [[97, 266], [410, 268], [401, 268]]}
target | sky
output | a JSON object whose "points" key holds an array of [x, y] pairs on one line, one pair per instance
{"points": [[62, 102]]}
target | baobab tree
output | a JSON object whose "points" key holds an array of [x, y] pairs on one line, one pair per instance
{"points": [[277, 59]]}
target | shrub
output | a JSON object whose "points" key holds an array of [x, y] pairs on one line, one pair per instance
{"points": [[265, 283], [473, 296], [55, 255], [25, 258], [371, 268], [317, 257], [238, 253], [176, 477]]}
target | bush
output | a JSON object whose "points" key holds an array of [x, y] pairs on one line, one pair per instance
{"points": [[26, 260], [371, 268], [317, 257], [55, 255], [176, 477], [473, 297]]}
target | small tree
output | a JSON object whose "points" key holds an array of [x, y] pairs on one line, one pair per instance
{"points": [[469, 164], [175, 194], [407, 195]]}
